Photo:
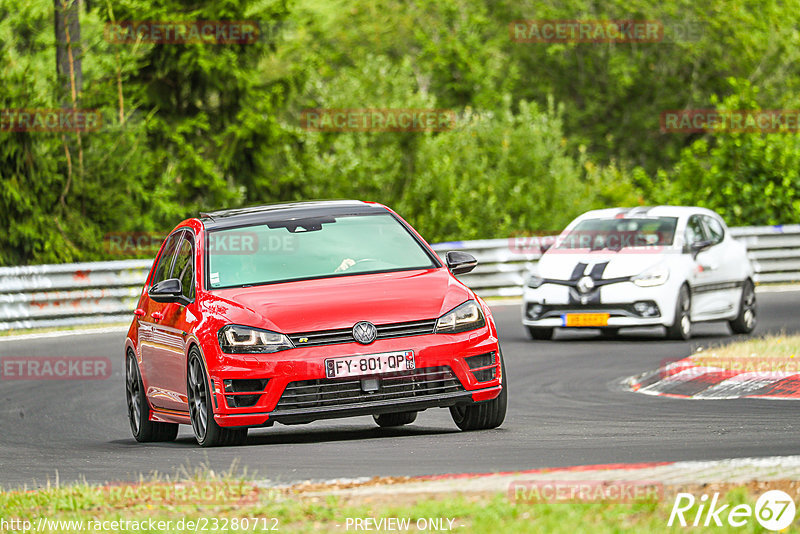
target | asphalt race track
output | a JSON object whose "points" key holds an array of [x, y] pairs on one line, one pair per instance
{"points": [[566, 408]]}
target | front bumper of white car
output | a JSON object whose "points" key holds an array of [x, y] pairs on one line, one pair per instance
{"points": [[625, 303]]}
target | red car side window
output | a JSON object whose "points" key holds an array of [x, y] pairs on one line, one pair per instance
{"points": [[166, 259], [184, 266]]}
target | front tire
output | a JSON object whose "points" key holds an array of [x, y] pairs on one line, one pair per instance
{"points": [[746, 321], [540, 333], [142, 428], [388, 420], [485, 415], [681, 328], [206, 430]]}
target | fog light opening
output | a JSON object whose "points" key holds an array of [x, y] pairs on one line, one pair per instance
{"points": [[534, 311], [646, 308]]}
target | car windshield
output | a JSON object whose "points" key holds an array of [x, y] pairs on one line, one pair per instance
{"points": [[317, 247], [619, 233]]}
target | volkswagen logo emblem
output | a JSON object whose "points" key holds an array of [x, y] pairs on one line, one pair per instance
{"points": [[365, 332], [585, 284]]}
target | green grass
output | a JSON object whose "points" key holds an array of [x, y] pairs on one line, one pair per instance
{"points": [[779, 352], [221, 499]]}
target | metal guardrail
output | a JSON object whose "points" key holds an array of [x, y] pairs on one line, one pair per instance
{"points": [[42, 296]]}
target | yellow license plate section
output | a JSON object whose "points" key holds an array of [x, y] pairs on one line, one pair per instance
{"points": [[585, 319]]}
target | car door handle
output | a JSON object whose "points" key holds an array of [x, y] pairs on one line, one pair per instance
{"points": [[138, 312], [157, 316]]}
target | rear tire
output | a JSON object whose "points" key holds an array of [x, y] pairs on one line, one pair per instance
{"points": [[485, 415], [142, 428], [388, 420], [681, 328], [746, 321], [540, 333], [206, 430]]}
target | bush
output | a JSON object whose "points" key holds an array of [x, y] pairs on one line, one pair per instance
{"points": [[748, 178]]}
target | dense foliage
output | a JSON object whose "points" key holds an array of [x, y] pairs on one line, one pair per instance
{"points": [[542, 131]]}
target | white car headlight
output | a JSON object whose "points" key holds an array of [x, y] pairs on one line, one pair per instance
{"points": [[654, 276], [235, 339], [467, 316]]}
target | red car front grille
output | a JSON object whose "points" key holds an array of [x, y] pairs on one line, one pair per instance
{"points": [[323, 393], [345, 335]]}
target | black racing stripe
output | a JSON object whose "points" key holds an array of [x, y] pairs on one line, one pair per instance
{"points": [[597, 270], [577, 272], [593, 297]]}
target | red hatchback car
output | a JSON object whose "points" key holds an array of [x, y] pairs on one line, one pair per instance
{"points": [[305, 311]]}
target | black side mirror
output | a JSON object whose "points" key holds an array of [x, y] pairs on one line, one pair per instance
{"points": [[460, 262], [544, 247], [699, 246], [170, 290]]}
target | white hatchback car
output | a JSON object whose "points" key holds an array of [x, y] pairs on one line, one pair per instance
{"points": [[625, 267]]}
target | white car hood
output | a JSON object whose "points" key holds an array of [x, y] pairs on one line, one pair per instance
{"points": [[560, 264]]}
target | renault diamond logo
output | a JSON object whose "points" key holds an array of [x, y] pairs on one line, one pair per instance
{"points": [[585, 284], [365, 332]]}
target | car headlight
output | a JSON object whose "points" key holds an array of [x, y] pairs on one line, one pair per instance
{"points": [[235, 339], [534, 280], [467, 316], [654, 276]]}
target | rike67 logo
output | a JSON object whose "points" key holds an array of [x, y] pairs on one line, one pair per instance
{"points": [[774, 510]]}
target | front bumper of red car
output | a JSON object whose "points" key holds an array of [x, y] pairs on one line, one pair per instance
{"points": [[291, 386]]}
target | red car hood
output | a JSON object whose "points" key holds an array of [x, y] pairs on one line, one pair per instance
{"points": [[331, 303]]}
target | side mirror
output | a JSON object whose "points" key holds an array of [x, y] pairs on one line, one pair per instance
{"points": [[460, 262], [699, 246], [170, 290], [544, 247]]}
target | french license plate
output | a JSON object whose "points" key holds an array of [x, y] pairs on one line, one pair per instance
{"points": [[369, 364], [585, 319]]}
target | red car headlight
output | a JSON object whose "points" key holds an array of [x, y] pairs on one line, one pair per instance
{"points": [[235, 339], [467, 316]]}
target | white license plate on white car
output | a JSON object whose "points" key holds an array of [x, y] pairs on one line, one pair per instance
{"points": [[370, 364]]}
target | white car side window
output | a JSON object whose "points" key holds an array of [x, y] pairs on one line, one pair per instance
{"points": [[715, 229], [694, 230]]}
